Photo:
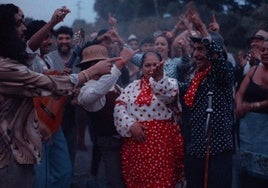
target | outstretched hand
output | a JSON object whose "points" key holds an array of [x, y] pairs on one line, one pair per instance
{"points": [[105, 66]]}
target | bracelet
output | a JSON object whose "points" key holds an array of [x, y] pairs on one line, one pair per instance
{"points": [[86, 75], [121, 62], [255, 105]]}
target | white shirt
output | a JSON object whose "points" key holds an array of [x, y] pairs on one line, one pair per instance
{"points": [[38, 64], [127, 112], [92, 94]]}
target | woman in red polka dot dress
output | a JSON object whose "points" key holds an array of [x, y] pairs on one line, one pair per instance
{"points": [[153, 149]]}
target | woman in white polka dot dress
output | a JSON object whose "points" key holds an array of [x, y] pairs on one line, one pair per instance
{"points": [[153, 148]]}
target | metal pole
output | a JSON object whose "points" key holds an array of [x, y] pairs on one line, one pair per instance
{"points": [[209, 110]]}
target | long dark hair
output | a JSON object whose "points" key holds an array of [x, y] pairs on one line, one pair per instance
{"points": [[10, 46]]}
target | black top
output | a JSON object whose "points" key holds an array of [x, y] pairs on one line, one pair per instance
{"points": [[102, 120], [256, 93], [220, 82]]}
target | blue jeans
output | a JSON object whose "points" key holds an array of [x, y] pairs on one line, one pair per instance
{"points": [[55, 169]]}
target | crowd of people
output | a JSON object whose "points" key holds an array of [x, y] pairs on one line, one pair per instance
{"points": [[170, 110]]}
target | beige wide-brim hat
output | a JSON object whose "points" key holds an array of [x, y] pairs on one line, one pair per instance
{"points": [[93, 53]]}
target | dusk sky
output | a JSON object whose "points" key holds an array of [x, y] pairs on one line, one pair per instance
{"points": [[43, 9]]}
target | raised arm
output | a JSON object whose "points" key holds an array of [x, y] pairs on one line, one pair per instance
{"points": [[58, 16]]}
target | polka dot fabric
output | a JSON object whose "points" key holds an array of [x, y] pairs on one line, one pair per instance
{"points": [[220, 82], [145, 96], [127, 111], [158, 162]]}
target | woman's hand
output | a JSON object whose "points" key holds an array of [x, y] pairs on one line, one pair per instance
{"points": [[158, 71], [256, 53], [241, 60], [137, 132], [242, 109]]}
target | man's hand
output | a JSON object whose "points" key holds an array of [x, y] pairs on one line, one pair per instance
{"points": [[214, 25], [67, 71], [104, 66], [59, 15]]}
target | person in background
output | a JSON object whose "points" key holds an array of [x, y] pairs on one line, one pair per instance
{"points": [[60, 59], [253, 55], [20, 138], [252, 109], [82, 119], [55, 169], [153, 147], [98, 98], [208, 104], [147, 44], [111, 40], [64, 39], [133, 42], [134, 71], [39, 44], [244, 63]]}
